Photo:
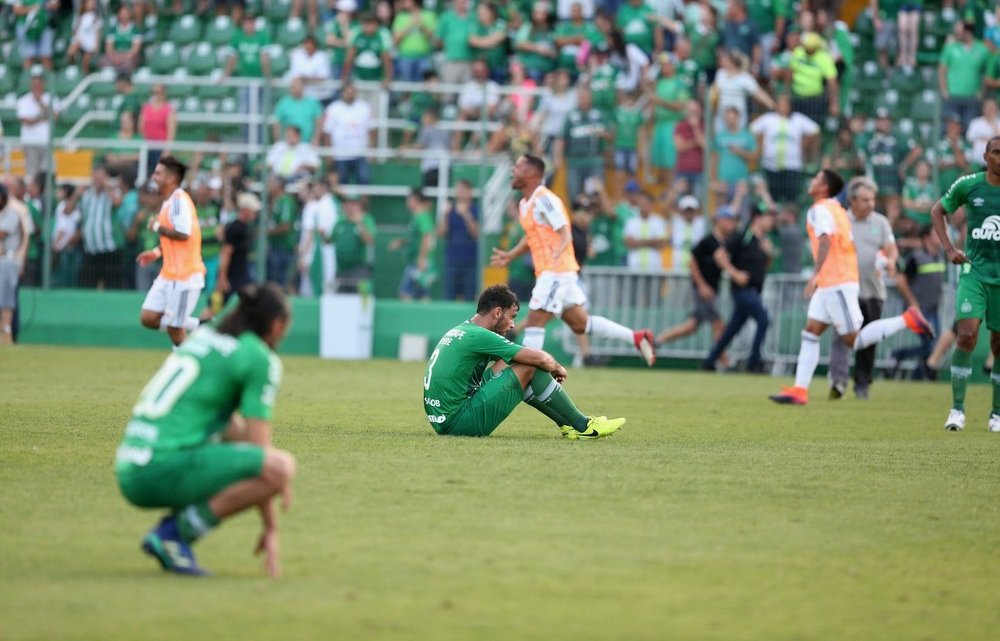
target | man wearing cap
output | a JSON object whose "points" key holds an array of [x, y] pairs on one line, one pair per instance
{"points": [[888, 161], [174, 294], [234, 259], [705, 277], [877, 255], [814, 79], [687, 228]]}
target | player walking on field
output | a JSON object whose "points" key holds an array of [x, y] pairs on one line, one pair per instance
{"points": [[833, 289], [557, 291], [476, 377], [221, 382], [174, 294], [978, 294]]}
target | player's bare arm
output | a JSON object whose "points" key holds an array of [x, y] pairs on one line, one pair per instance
{"points": [[955, 256], [740, 277], [822, 251], [503, 258], [542, 360]]}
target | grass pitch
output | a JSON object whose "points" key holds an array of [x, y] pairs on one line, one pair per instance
{"points": [[712, 515]]}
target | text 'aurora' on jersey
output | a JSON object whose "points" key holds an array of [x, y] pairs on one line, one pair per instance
{"points": [[982, 209]]}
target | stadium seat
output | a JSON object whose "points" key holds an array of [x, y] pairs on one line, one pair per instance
{"points": [[906, 83], [279, 60], [215, 91], [889, 100], [185, 30], [23, 83], [220, 31], [164, 59], [201, 59], [924, 106], [929, 49], [8, 79], [191, 104], [261, 24], [277, 10], [13, 56], [73, 112], [870, 77], [178, 87], [150, 29], [104, 86], [66, 80], [864, 26], [290, 33]]}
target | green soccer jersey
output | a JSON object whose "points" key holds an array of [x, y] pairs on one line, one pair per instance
{"points": [[567, 53], [420, 225], [334, 28], [352, 251], [922, 194], [982, 208], [628, 122], [496, 57], [123, 35], [368, 53], [190, 400], [607, 243], [603, 88], [286, 212], [248, 53], [636, 24], [455, 369]]}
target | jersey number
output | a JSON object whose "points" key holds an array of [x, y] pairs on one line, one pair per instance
{"points": [[173, 379], [430, 368]]}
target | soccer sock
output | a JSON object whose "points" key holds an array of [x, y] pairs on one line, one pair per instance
{"points": [[546, 391], [875, 331], [961, 370], [195, 521], [191, 324], [534, 337], [600, 326], [808, 359], [995, 381]]}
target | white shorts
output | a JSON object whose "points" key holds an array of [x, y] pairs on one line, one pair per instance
{"points": [[554, 292], [837, 306], [175, 299]]}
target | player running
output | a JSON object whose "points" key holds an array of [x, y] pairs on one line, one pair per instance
{"points": [[174, 294], [833, 289], [476, 377], [557, 291], [978, 294], [221, 382]]}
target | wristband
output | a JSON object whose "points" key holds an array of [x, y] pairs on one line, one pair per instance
{"points": [[156, 226]]}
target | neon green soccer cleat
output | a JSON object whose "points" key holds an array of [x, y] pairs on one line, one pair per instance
{"points": [[597, 427]]}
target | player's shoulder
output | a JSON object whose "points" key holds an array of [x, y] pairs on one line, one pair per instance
{"points": [[965, 183]]}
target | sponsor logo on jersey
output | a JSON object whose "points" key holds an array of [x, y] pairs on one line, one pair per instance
{"points": [[989, 230], [437, 419], [978, 202], [966, 307]]}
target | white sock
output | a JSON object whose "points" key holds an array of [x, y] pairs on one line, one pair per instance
{"points": [[808, 359], [534, 337], [600, 326], [191, 324], [877, 330]]}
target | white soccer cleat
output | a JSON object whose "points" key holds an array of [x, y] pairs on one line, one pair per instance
{"points": [[956, 421], [994, 425]]}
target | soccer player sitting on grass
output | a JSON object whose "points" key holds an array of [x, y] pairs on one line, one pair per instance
{"points": [[476, 377], [220, 382], [978, 294], [833, 289]]}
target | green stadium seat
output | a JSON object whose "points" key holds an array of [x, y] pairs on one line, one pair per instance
{"points": [[185, 30], [870, 77], [277, 10], [150, 29], [906, 83], [73, 112], [261, 24], [929, 49], [13, 56], [215, 91], [210, 105], [924, 106], [937, 23], [889, 100], [23, 83], [66, 80], [220, 31], [164, 58], [8, 79], [228, 106], [104, 86], [191, 104], [291, 33], [279, 60], [201, 59]]}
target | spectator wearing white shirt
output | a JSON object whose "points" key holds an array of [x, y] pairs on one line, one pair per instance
{"points": [[66, 252], [291, 159], [646, 235], [33, 112], [733, 85], [312, 66], [687, 228], [319, 216], [477, 94], [86, 40], [550, 117], [981, 129], [782, 137], [348, 126]]}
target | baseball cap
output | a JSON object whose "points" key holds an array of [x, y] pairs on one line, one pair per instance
{"points": [[247, 200], [813, 40], [632, 187], [688, 202], [953, 117], [725, 211], [882, 112]]}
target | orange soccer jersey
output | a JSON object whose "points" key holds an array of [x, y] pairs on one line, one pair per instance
{"points": [[841, 265], [542, 216], [181, 258]]}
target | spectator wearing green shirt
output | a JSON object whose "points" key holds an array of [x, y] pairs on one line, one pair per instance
{"points": [[282, 233], [337, 33], [733, 149], [669, 97], [570, 35], [629, 119], [489, 41], [129, 100], [639, 26], [370, 54], [34, 35], [951, 154], [123, 45], [295, 108], [413, 31], [354, 241], [453, 31], [420, 273], [581, 148], [919, 194], [207, 204], [535, 44], [249, 58], [961, 71]]}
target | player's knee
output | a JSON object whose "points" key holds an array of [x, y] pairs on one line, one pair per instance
{"points": [[279, 468], [149, 319], [966, 341], [578, 327]]}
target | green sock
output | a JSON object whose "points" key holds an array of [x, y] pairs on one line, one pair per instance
{"points": [[195, 521], [995, 381], [961, 370], [547, 393]]}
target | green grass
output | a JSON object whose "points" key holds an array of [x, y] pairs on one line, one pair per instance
{"points": [[712, 515]]}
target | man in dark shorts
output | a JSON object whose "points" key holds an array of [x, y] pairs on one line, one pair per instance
{"points": [[234, 257]]}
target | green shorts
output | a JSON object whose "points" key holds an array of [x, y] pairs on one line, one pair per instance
{"points": [[979, 300], [176, 479], [483, 412]]}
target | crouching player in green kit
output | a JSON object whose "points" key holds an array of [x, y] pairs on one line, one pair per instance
{"points": [[221, 382], [476, 377], [978, 294]]}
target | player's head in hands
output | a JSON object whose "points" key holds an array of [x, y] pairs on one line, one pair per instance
{"points": [[169, 174], [497, 309], [263, 309]]}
